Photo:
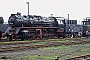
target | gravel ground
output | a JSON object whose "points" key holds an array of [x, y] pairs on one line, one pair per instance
{"points": [[25, 52], [32, 52]]}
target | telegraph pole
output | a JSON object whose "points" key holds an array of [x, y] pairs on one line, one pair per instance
{"points": [[68, 20], [28, 7], [69, 25]]}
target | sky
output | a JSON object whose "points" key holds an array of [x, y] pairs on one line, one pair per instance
{"points": [[77, 9]]}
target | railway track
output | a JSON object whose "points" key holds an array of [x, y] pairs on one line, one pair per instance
{"points": [[34, 46], [35, 41], [82, 57], [6, 40]]}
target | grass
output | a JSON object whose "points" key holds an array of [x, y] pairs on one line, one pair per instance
{"points": [[61, 48], [62, 51], [36, 57]]}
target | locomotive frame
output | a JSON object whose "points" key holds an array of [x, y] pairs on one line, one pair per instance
{"points": [[34, 33]]}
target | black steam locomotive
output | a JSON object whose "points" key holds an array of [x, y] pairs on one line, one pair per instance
{"points": [[16, 20], [33, 27]]}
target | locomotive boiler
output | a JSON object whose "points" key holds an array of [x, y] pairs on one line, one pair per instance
{"points": [[31, 27], [16, 20]]}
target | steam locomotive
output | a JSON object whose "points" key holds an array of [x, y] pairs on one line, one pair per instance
{"points": [[34, 27]]}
